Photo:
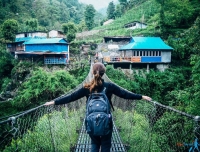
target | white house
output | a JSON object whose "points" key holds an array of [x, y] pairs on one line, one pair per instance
{"points": [[135, 25], [31, 34], [56, 34]]}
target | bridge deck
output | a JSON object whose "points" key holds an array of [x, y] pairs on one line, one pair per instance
{"points": [[84, 142]]}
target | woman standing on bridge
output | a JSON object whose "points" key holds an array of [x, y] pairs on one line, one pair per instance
{"points": [[97, 85]]}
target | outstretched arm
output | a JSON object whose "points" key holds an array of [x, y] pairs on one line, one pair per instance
{"points": [[69, 98], [127, 94]]}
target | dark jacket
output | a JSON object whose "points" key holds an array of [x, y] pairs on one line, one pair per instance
{"points": [[110, 89]]}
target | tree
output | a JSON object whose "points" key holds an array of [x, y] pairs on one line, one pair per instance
{"points": [[6, 65], [32, 24], [178, 13], [70, 30], [82, 26], [111, 11], [9, 29], [89, 16], [193, 40], [118, 11], [123, 4]]}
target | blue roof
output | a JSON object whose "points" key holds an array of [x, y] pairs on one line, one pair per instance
{"points": [[46, 41], [146, 43], [22, 39]]}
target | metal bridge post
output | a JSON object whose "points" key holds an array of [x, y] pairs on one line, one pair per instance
{"points": [[14, 130], [197, 127]]}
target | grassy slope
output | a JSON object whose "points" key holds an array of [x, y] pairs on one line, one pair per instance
{"points": [[148, 11]]}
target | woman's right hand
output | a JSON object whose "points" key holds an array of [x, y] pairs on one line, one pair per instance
{"points": [[49, 103]]}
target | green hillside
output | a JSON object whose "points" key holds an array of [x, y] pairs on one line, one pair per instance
{"points": [[50, 14], [165, 19]]}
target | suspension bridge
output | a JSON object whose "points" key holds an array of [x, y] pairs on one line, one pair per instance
{"points": [[139, 126]]}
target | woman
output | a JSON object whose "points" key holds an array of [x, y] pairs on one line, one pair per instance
{"points": [[97, 85]]}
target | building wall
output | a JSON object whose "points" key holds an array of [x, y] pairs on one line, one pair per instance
{"points": [[54, 33], [162, 67], [137, 25], [150, 56], [31, 34], [166, 56], [15, 47], [47, 47]]}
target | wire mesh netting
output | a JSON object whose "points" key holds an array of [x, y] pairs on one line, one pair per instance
{"points": [[142, 126]]}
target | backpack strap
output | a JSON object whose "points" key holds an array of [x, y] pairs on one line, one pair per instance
{"points": [[104, 90]]}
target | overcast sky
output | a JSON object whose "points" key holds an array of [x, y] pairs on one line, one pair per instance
{"points": [[98, 4]]}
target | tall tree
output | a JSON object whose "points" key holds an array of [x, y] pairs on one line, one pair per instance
{"points": [[70, 30], [111, 11], [32, 24], [89, 16], [9, 29], [118, 11], [123, 4]]}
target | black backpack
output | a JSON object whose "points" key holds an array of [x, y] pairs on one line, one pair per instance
{"points": [[98, 119]]}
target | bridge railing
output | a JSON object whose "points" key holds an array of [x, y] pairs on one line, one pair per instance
{"points": [[142, 125]]}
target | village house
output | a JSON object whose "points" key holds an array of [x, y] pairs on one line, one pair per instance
{"points": [[20, 38], [50, 50], [36, 46], [56, 34], [111, 45], [135, 25], [143, 51]]}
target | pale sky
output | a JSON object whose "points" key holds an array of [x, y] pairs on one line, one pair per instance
{"points": [[98, 4]]}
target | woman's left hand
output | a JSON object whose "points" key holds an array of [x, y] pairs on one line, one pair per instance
{"points": [[146, 98]]}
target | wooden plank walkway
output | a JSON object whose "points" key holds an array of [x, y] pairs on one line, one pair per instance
{"points": [[84, 142]]}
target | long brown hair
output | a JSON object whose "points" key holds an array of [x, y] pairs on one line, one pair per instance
{"points": [[96, 83]]}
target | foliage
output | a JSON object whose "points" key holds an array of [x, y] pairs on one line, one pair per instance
{"points": [[134, 128], [75, 47], [6, 65], [178, 129], [9, 29], [118, 11], [118, 77], [155, 84], [63, 133], [31, 25], [111, 11], [179, 13], [49, 14], [89, 16], [81, 73], [43, 86], [81, 26], [70, 30]]}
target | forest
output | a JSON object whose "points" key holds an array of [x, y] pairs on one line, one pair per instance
{"points": [[29, 85]]}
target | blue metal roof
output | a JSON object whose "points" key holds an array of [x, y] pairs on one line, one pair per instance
{"points": [[46, 41], [22, 39], [146, 43]]}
